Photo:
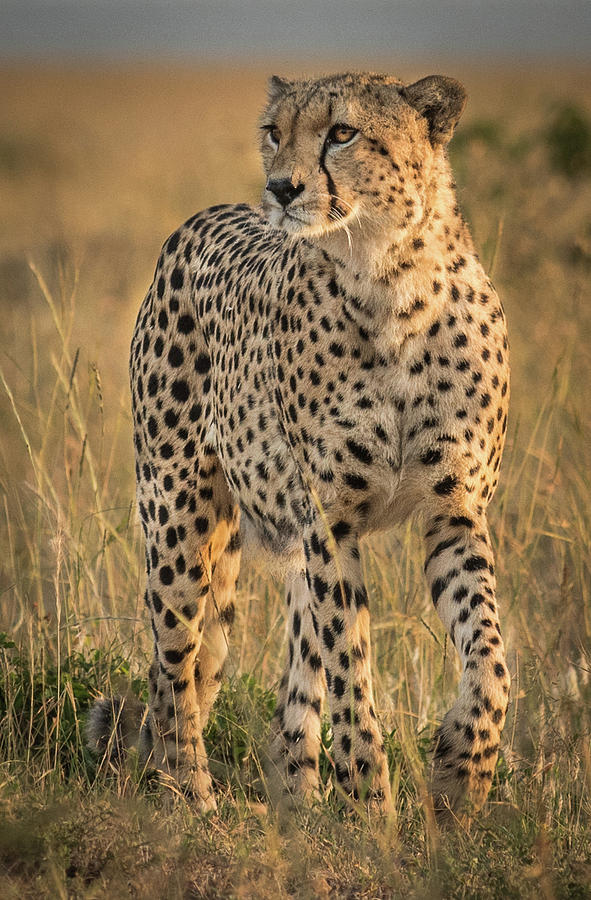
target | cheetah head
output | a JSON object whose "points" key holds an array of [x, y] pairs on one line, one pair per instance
{"points": [[355, 153]]}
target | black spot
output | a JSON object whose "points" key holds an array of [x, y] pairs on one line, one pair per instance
{"points": [[446, 485], [359, 452], [357, 482], [180, 390], [437, 588], [341, 530], [361, 597], [175, 656], [320, 588], [176, 279], [202, 364], [170, 620], [175, 356], [185, 324], [431, 457], [338, 686], [474, 563], [328, 638], [195, 573], [461, 520], [315, 661], [173, 242]]}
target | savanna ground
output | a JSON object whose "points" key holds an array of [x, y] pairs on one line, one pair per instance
{"points": [[97, 167]]}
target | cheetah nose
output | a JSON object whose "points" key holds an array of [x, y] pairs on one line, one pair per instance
{"points": [[284, 190]]}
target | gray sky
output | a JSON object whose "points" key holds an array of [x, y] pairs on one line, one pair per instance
{"points": [[256, 29]]}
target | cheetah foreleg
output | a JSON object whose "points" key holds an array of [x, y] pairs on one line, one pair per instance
{"points": [[295, 730]]}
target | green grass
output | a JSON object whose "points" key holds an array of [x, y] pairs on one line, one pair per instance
{"points": [[75, 257]]}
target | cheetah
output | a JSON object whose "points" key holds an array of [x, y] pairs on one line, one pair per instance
{"points": [[312, 371]]}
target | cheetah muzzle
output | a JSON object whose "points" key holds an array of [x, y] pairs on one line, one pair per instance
{"points": [[315, 370]]}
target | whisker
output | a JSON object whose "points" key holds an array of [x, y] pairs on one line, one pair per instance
{"points": [[325, 195]]}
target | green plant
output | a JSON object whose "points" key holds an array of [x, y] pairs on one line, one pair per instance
{"points": [[568, 138]]}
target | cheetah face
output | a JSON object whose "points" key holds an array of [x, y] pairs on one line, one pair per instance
{"points": [[353, 153]]}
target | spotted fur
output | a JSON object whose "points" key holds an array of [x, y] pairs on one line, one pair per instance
{"points": [[319, 369]]}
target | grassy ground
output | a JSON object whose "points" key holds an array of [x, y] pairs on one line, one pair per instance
{"points": [[96, 168]]}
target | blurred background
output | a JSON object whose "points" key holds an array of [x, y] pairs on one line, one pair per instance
{"points": [[121, 118], [205, 30]]}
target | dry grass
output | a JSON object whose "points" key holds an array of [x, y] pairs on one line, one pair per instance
{"points": [[96, 168]]}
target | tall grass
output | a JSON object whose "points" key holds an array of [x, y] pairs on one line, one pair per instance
{"points": [[71, 583]]}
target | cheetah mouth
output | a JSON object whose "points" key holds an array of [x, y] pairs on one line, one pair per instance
{"points": [[297, 220], [289, 219]]}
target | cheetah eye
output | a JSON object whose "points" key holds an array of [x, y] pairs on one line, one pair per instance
{"points": [[273, 135], [341, 134]]}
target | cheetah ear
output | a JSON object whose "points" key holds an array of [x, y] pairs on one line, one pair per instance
{"points": [[277, 87], [440, 101]]}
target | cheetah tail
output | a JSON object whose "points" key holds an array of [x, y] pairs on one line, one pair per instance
{"points": [[114, 725]]}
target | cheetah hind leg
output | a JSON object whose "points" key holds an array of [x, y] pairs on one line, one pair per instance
{"points": [[460, 569], [295, 729], [191, 604]]}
